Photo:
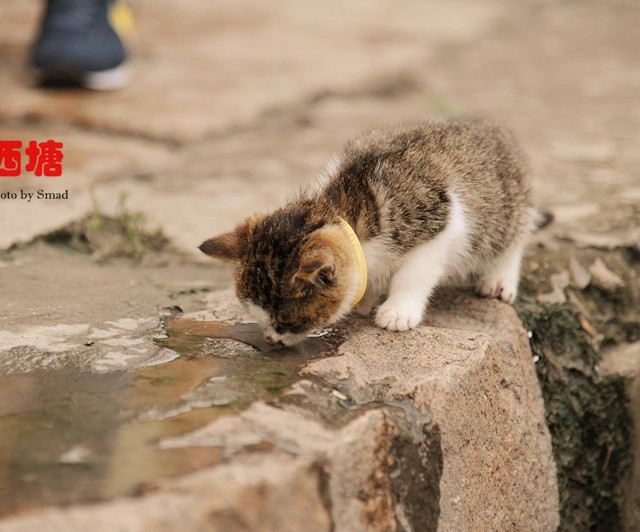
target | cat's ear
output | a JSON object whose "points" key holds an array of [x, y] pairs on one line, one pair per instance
{"points": [[317, 266], [230, 246]]}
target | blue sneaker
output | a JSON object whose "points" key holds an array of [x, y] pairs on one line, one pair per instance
{"points": [[78, 44]]}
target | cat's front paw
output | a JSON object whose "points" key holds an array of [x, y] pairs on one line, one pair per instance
{"points": [[397, 318], [506, 290]]}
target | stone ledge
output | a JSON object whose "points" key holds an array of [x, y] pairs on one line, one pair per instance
{"points": [[477, 384], [442, 427]]}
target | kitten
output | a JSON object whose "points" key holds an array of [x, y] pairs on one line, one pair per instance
{"points": [[420, 205]]}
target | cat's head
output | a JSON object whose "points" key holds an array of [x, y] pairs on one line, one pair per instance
{"points": [[294, 274]]}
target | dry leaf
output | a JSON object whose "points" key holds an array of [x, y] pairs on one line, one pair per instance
{"points": [[587, 327], [575, 302], [581, 277], [603, 277]]}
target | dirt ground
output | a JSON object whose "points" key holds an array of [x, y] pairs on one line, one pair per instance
{"points": [[233, 106]]}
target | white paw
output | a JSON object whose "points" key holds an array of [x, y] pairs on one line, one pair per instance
{"points": [[499, 288], [397, 318]]}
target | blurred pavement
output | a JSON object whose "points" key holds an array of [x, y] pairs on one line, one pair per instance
{"points": [[234, 104]]}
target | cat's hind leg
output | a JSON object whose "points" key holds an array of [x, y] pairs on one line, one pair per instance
{"points": [[500, 277]]}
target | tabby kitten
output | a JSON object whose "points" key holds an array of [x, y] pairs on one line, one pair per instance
{"points": [[401, 211]]}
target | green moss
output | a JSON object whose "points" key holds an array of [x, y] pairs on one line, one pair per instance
{"points": [[616, 314], [104, 237], [587, 417]]}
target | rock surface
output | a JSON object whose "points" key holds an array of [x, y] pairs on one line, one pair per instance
{"points": [[442, 427]]}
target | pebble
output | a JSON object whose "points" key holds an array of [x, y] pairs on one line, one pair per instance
{"points": [[559, 281]]}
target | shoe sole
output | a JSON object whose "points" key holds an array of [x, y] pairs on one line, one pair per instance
{"points": [[103, 80]]}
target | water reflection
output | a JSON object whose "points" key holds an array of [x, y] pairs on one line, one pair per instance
{"points": [[68, 436]]}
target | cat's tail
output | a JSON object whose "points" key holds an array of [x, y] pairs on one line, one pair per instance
{"points": [[540, 219]]}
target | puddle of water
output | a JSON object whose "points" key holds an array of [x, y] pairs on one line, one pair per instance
{"points": [[247, 333], [70, 437]]}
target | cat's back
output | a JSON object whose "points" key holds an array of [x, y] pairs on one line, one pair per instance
{"points": [[475, 157], [418, 164], [457, 142]]}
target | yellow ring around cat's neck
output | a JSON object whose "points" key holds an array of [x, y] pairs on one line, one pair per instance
{"points": [[361, 262]]}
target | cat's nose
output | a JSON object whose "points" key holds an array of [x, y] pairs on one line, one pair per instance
{"points": [[272, 339]]}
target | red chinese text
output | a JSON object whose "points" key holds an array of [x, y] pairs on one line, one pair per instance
{"points": [[42, 158]]}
